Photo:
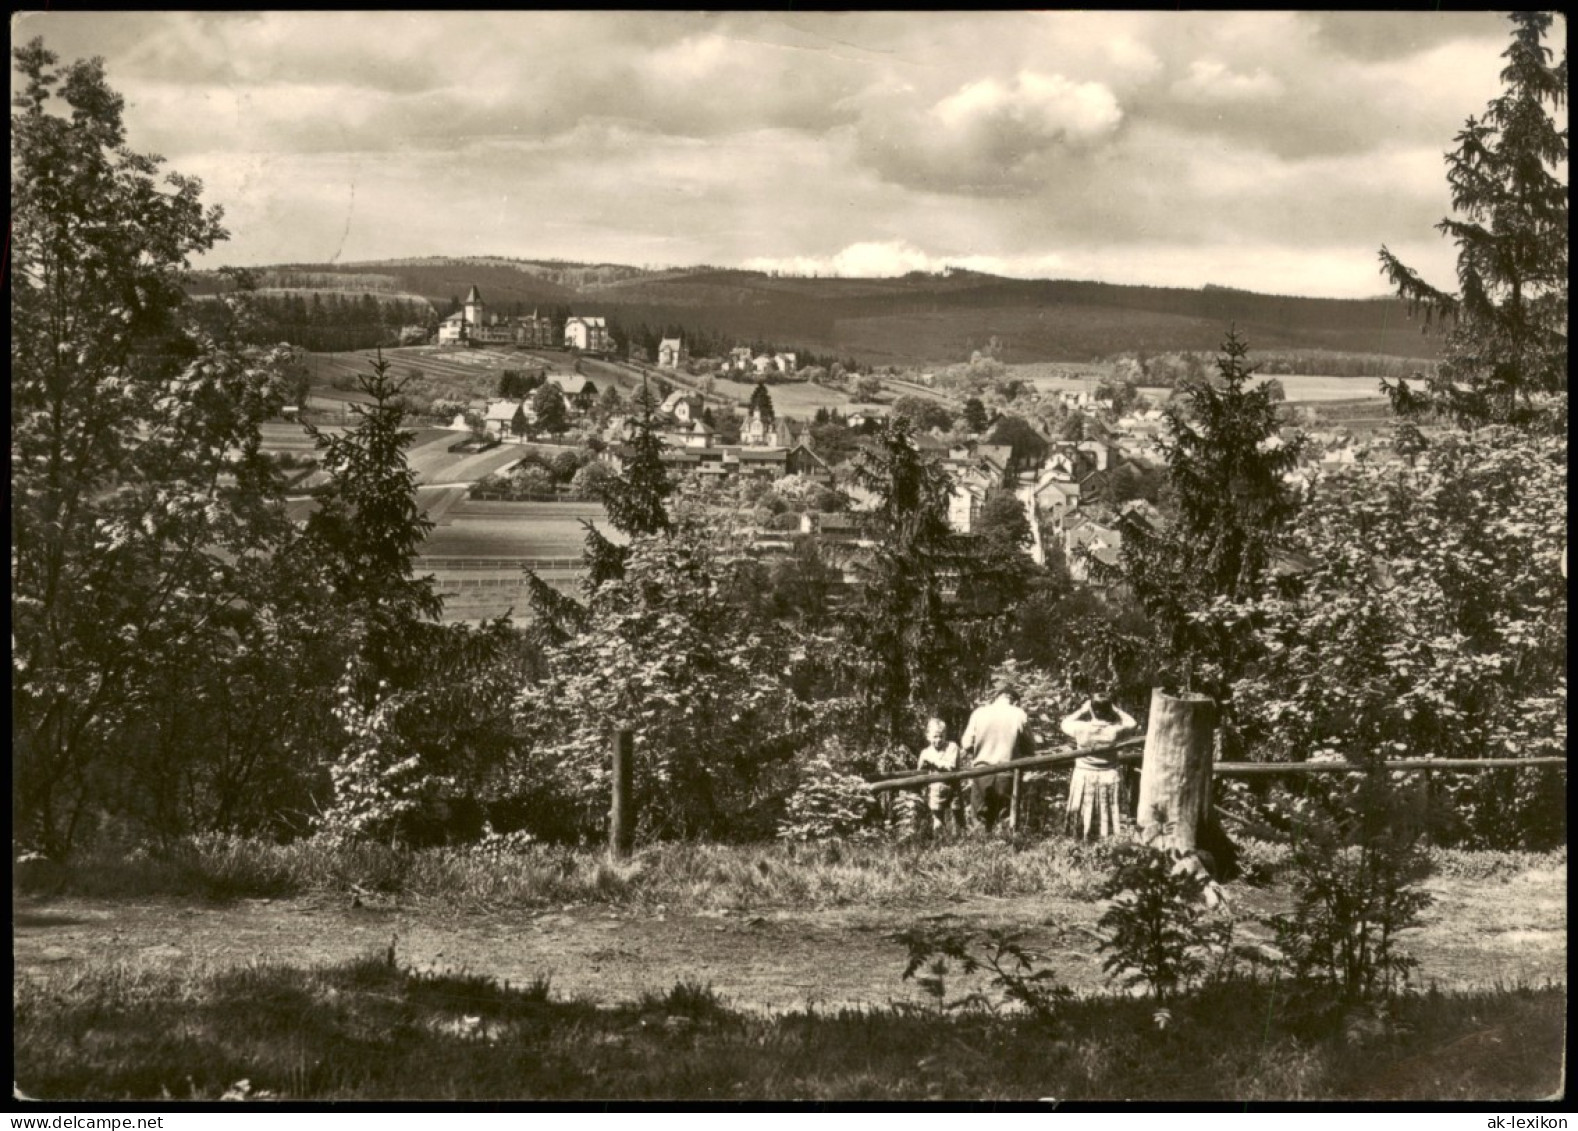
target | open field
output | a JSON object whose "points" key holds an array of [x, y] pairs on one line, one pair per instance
{"points": [[476, 529], [1304, 388], [429, 456], [474, 553], [775, 951]]}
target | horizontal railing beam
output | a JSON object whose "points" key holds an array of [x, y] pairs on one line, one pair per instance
{"points": [[1405, 765], [1039, 761], [1123, 751]]}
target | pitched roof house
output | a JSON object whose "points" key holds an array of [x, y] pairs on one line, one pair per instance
{"points": [[671, 353], [587, 333]]}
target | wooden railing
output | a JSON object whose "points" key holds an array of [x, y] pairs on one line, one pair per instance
{"points": [[1125, 753]]}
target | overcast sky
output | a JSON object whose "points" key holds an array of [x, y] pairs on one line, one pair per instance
{"points": [[1271, 151]]}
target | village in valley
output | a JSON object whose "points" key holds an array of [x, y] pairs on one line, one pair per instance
{"points": [[1092, 462], [954, 556]]}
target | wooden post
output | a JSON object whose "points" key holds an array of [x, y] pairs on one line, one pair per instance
{"points": [[1013, 801], [621, 809], [1426, 807], [1175, 776]]}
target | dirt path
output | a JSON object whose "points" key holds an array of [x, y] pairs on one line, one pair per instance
{"points": [[1477, 934]]}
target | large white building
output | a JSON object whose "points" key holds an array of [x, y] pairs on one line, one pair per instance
{"points": [[473, 325], [585, 333]]}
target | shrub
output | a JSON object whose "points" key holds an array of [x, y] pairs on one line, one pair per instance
{"points": [[1353, 874], [531, 480], [829, 801], [1159, 929]]}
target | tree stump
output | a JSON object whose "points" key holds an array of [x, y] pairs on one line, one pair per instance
{"points": [[1175, 776]]}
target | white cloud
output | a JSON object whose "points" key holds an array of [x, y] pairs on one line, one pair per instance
{"points": [[1210, 81], [1043, 106], [1130, 146]]}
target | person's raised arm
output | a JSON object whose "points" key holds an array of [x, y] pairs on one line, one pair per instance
{"points": [[1126, 724], [1074, 725]]}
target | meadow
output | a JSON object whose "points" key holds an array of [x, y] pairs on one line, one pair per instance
{"points": [[1301, 388], [690, 971]]}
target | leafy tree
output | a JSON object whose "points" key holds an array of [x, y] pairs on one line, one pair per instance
{"points": [[833, 441], [1354, 880], [1506, 353], [761, 404], [702, 688], [590, 480], [1225, 463], [1003, 572], [1128, 480], [140, 499], [1275, 390], [1028, 446], [925, 413], [1121, 393], [868, 388], [1003, 524], [547, 405], [975, 415], [1424, 627], [532, 482]]}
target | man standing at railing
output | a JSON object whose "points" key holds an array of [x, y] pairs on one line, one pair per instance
{"points": [[1095, 792], [998, 733]]}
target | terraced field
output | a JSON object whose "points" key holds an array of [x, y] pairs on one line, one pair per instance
{"points": [[477, 552]]}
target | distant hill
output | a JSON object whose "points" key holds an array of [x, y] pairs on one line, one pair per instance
{"points": [[915, 319]]}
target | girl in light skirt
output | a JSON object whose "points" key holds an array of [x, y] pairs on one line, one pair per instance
{"points": [[1095, 792]]}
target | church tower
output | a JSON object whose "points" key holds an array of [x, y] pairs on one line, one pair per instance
{"points": [[474, 308]]}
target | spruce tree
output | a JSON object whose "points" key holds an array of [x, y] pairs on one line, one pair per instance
{"points": [[910, 648], [635, 500], [1506, 351], [369, 528], [762, 403], [1226, 460]]}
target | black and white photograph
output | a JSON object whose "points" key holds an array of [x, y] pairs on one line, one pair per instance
{"points": [[789, 558]]}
